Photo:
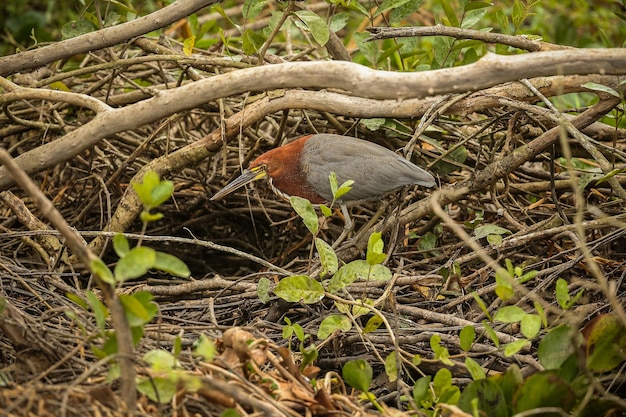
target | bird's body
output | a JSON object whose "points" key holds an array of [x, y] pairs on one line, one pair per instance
{"points": [[301, 168]]}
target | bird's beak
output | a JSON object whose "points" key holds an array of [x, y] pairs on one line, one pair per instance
{"points": [[248, 176]]}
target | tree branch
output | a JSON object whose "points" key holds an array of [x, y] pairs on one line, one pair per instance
{"points": [[101, 38]]}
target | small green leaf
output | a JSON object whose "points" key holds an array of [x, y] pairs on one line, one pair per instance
{"points": [[263, 290], [490, 229], [102, 271], [421, 390], [512, 348], [373, 124], [467, 337], [77, 28], [509, 314], [389, 5], [504, 285], [530, 325], [148, 217], [315, 24], [391, 366], [484, 397], [326, 211], [170, 264], [135, 264], [305, 210], [328, 258], [120, 245], [252, 8], [343, 189], [491, 333], [299, 288], [188, 45], [358, 373], [562, 293], [602, 88], [555, 347], [440, 352], [99, 310], [482, 305], [137, 312], [332, 179], [474, 369], [332, 323], [70, 296], [252, 41], [158, 389], [373, 323], [375, 247], [160, 360]]}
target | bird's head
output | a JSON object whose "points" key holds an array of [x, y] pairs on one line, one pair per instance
{"points": [[283, 168]]}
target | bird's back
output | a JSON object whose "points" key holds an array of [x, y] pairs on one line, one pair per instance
{"points": [[374, 169]]}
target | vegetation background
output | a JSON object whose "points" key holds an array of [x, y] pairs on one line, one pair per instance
{"points": [[502, 293]]}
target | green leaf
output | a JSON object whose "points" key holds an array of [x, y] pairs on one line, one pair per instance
{"points": [[530, 325], [509, 314], [338, 21], [555, 347], [440, 352], [343, 189], [544, 389], [358, 373], [188, 45], [252, 41], [491, 333], [442, 380], [474, 369], [606, 341], [332, 323], [99, 310], [148, 217], [158, 389], [450, 13], [482, 305], [305, 210], [379, 273], [373, 124], [504, 285], [486, 396], [490, 229], [120, 245], [315, 24], [602, 88], [375, 247], [369, 50], [391, 366], [76, 299], [328, 258], [160, 360], [372, 324], [102, 271], [135, 264], [326, 211], [252, 8], [399, 13], [421, 390], [77, 28], [467, 337], [263, 290], [512, 348], [334, 186], [541, 313], [427, 242], [389, 5], [299, 288], [562, 293], [170, 264], [139, 308]]}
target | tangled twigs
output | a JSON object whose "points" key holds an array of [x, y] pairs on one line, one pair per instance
{"points": [[75, 243]]}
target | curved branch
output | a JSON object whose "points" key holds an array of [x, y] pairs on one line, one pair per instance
{"points": [[101, 38], [520, 42]]}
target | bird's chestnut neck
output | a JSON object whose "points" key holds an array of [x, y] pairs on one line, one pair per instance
{"points": [[284, 167]]}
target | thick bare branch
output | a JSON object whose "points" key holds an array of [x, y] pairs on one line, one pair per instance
{"points": [[102, 38]]}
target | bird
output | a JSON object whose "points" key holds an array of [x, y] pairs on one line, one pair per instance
{"points": [[302, 167]]}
